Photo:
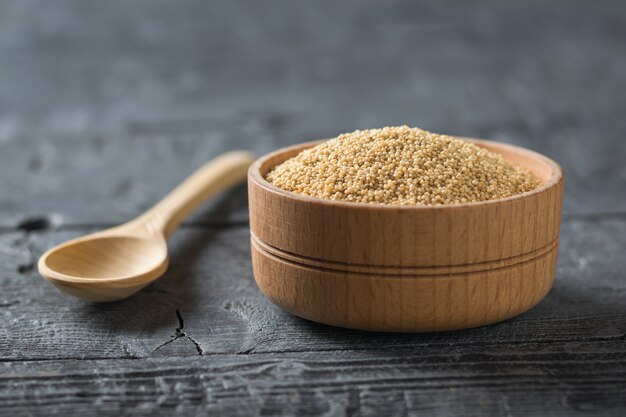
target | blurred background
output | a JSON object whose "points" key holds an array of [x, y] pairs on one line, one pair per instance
{"points": [[116, 101]]}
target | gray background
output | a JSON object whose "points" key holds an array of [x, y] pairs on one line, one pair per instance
{"points": [[104, 106]]}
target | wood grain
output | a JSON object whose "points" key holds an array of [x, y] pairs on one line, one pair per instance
{"points": [[365, 383], [398, 268], [404, 303]]}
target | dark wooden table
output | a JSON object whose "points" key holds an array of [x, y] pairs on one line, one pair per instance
{"points": [[104, 106]]}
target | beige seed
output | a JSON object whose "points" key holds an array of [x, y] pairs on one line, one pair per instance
{"points": [[401, 166]]}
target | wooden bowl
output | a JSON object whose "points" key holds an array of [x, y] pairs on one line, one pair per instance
{"points": [[406, 268]]}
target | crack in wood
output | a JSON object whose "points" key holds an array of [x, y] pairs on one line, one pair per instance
{"points": [[29, 266], [179, 333], [34, 224]]}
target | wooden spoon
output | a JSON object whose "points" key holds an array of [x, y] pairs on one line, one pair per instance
{"points": [[115, 263]]}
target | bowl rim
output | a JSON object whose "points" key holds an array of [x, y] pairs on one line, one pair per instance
{"points": [[556, 177]]}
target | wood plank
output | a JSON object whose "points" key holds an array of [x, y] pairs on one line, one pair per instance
{"points": [[585, 379], [210, 284]]}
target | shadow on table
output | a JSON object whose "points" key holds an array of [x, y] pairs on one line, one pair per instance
{"points": [[567, 314], [157, 306]]}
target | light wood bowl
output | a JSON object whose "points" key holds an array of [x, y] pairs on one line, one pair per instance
{"points": [[406, 268]]}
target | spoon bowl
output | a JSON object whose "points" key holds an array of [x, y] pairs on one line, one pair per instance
{"points": [[118, 257], [105, 268], [113, 264]]}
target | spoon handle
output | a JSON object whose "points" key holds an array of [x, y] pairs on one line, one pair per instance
{"points": [[215, 176]]}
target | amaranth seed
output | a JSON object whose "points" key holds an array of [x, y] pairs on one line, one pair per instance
{"points": [[401, 166]]}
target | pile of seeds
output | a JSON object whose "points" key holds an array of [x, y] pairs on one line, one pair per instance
{"points": [[401, 166]]}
